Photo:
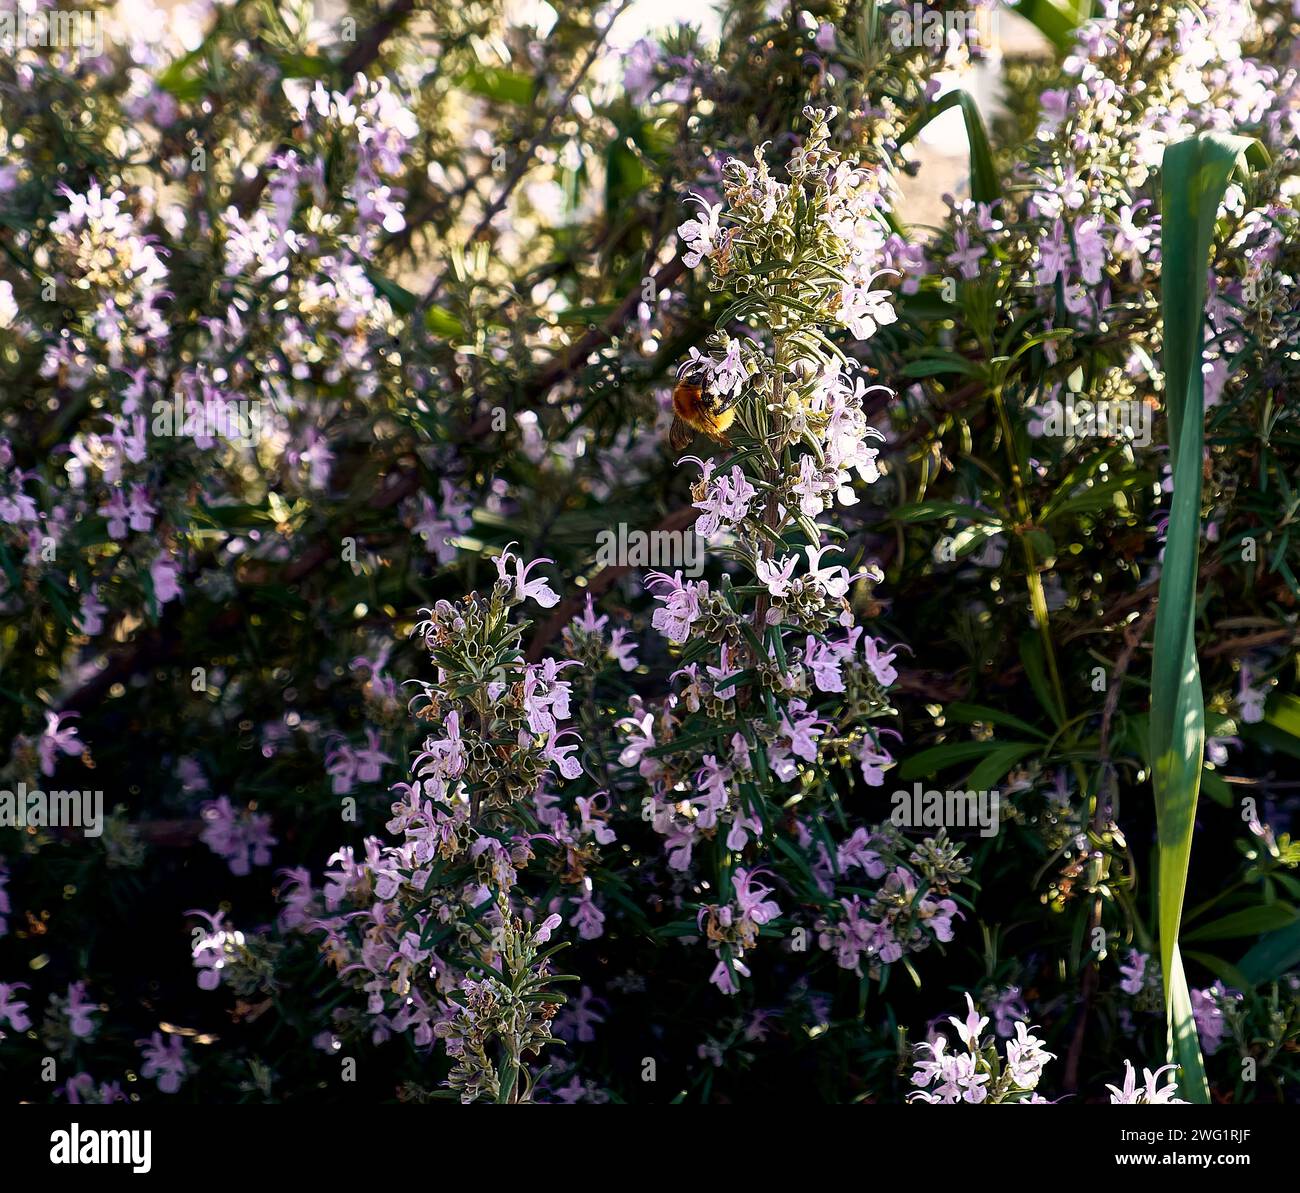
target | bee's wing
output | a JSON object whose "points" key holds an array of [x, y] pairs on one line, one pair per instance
{"points": [[680, 435]]}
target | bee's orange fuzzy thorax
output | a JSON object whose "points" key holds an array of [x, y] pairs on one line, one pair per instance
{"points": [[687, 400], [693, 407]]}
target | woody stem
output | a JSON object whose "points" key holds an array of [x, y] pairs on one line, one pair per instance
{"points": [[772, 504]]}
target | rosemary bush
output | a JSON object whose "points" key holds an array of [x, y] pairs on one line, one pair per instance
{"points": [[427, 727]]}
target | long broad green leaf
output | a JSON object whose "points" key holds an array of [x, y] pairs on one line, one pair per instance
{"points": [[936, 758], [984, 186], [1195, 176], [1057, 20], [1272, 956], [1253, 921]]}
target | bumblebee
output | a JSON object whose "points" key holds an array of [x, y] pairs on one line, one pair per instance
{"points": [[697, 410]]}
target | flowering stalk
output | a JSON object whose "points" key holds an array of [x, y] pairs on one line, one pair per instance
{"points": [[436, 929], [780, 686]]}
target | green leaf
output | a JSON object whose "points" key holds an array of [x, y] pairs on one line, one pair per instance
{"points": [[937, 366], [1283, 713], [927, 511], [503, 86], [399, 297], [183, 78], [625, 177], [443, 323], [304, 66], [967, 714], [1267, 917], [507, 1082], [936, 758], [1031, 655], [996, 765], [1272, 956], [1195, 176], [1056, 20], [1213, 785], [984, 187], [1094, 498], [1221, 969], [969, 538]]}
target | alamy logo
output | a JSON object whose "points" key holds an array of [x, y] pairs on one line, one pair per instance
{"points": [[90, 1145], [945, 809], [53, 29], [238, 421], [52, 809], [920, 26], [654, 548], [1112, 419]]}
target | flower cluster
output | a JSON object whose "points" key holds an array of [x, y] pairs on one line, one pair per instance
{"points": [[411, 923], [778, 683], [981, 1075]]}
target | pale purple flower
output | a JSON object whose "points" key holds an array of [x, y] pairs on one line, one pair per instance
{"points": [[1207, 1010], [823, 660], [725, 503], [880, 662], [164, 1060], [117, 514], [79, 1011], [564, 756], [371, 759], [1006, 1008], [724, 687], [776, 574], [969, 1030], [622, 652], [580, 1016], [722, 978], [341, 766], [1129, 238], [742, 828], [1090, 248], [864, 310], [855, 851], [57, 739], [12, 1009], [593, 816], [1053, 253], [1026, 1058], [296, 894], [802, 728], [966, 255], [1151, 1094], [209, 954], [1250, 699], [699, 232], [164, 574], [141, 510], [521, 586], [91, 613], [587, 918], [242, 837], [873, 758], [1216, 749], [681, 604], [751, 897], [833, 580], [1133, 972], [1054, 105]]}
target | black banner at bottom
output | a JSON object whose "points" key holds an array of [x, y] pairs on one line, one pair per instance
{"points": [[342, 1142]]}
